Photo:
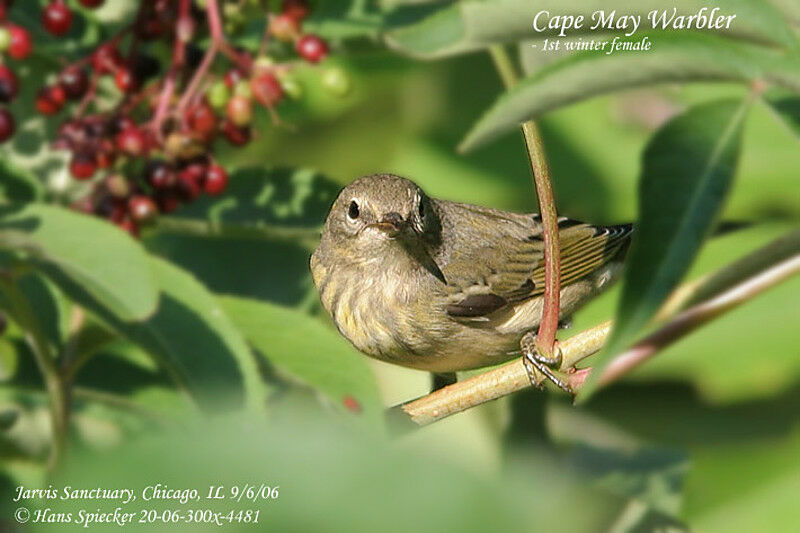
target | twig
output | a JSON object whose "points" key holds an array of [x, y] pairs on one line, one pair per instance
{"points": [[21, 310], [754, 277], [546, 336]]}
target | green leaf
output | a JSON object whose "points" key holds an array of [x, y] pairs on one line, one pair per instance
{"points": [[91, 260], [18, 185], [788, 109], [688, 169], [304, 349], [472, 25], [678, 57], [195, 342]]}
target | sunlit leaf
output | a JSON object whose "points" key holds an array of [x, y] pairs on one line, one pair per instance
{"points": [[91, 260], [677, 57], [306, 350], [688, 169]]}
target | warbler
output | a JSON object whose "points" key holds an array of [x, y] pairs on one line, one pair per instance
{"points": [[444, 286]]}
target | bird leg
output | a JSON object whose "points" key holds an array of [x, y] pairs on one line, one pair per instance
{"points": [[440, 380], [534, 360]]}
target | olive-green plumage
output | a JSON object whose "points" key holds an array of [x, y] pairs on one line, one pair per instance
{"points": [[444, 286]]}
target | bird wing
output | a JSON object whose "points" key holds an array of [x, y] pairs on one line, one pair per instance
{"points": [[492, 275]]}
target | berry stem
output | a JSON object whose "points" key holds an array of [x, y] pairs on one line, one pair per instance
{"points": [[197, 78]]}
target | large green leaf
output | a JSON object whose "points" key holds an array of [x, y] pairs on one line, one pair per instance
{"points": [[91, 260], [688, 169], [304, 349], [471, 25], [788, 109], [18, 185], [194, 340], [677, 57]]}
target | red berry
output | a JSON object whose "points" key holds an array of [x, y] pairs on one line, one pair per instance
{"points": [[284, 27], [106, 154], [8, 84], [239, 110], [121, 123], [125, 80], [167, 201], [142, 209], [312, 48], [236, 136], [106, 59], [6, 125], [50, 100], [92, 3], [21, 44], [159, 175], [82, 165], [297, 9], [129, 225], [132, 141], [57, 18], [202, 120], [111, 209], [351, 404], [232, 77], [74, 81], [216, 180], [266, 89]]}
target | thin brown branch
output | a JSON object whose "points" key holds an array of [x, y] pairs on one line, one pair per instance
{"points": [[777, 262]]}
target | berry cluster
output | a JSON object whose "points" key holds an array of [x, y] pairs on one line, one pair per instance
{"points": [[153, 149]]}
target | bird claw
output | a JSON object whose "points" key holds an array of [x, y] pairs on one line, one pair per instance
{"points": [[538, 364]]}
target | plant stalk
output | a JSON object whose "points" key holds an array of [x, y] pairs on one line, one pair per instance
{"points": [[546, 337]]}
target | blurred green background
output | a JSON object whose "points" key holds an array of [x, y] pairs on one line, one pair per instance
{"points": [[705, 436]]}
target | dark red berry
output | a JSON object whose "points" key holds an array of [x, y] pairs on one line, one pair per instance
{"points": [[297, 9], [202, 120], [132, 141], [83, 165], [121, 123], [92, 3], [75, 82], [112, 209], [125, 80], [216, 180], [106, 59], [57, 18], [6, 125], [21, 44], [159, 175], [142, 209], [49, 100], [167, 201], [9, 86], [266, 89], [194, 172], [312, 48], [235, 135]]}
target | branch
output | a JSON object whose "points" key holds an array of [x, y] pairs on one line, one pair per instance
{"points": [[546, 336], [755, 273]]}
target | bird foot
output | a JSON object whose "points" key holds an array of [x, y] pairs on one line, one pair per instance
{"points": [[539, 366]]}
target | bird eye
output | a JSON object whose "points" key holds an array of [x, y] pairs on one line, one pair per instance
{"points": [[352, 211]]}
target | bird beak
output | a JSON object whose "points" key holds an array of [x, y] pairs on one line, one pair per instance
{"points": [[392, 224]]}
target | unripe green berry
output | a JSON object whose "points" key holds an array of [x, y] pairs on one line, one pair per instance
{"points": [[242, 88], [336, 81], [218, 95], [5, 39], [291, 86]]}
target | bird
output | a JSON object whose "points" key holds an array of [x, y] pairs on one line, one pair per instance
{"points": [[444, 286]]}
